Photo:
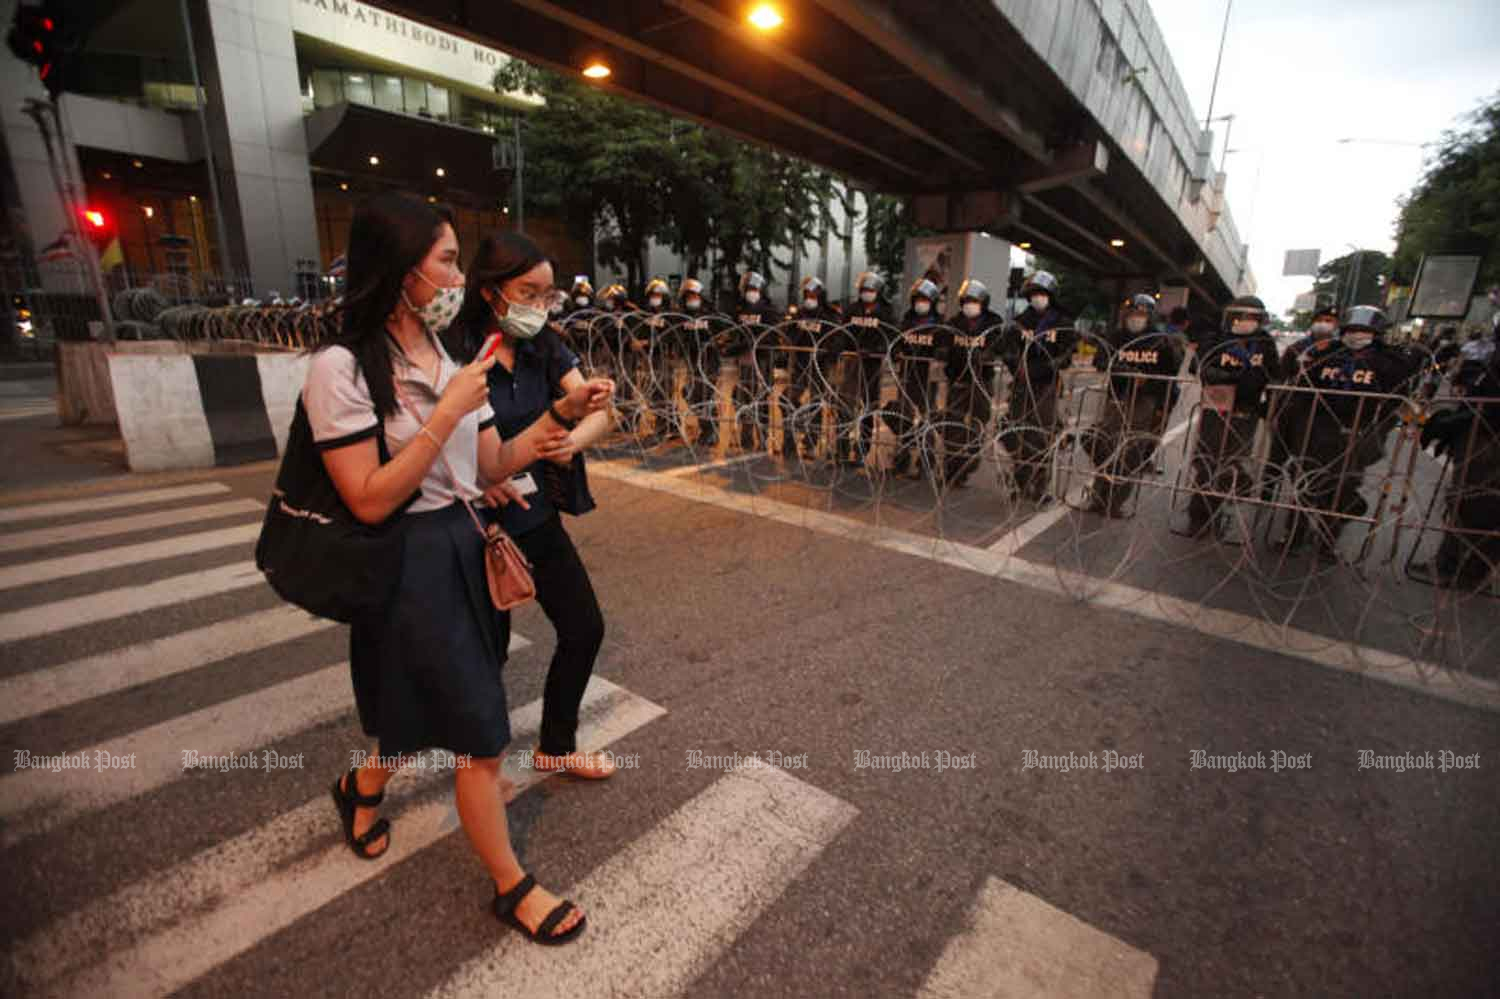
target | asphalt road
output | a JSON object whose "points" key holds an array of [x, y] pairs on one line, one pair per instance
{"points": [[733, 627]]}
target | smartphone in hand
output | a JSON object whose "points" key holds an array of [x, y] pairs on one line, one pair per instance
{"points": [[490, 343]]}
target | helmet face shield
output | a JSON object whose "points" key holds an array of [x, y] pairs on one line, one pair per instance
{"points": [[974, 290], [869, 281], [924, 288], [751, 279], [1040, 283], [1364, 318]]}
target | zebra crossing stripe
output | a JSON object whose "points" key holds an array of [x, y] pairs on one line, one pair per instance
{"points": [[109, 501], [668, 905], [59, 686], [47, 570], [109, 604], [33, 801], [107, 527], [250, 888], [1016, 946]]}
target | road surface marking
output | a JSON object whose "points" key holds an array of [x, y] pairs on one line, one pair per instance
{"points": [[106, 501], [107, 526], [47, 570]]}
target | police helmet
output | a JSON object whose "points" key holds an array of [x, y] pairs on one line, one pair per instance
{"points": [[581, 286], [1330, 310], [870, 281], [656, 286], [751, 279], [811, 286], [924, 288], [1245, 307], [973, 290], [614, 295], [1365, 318], [692, 286], [1040, 282], [1141, 303]]}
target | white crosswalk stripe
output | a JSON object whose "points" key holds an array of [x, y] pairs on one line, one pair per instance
{"points": [[109, 501], [67, 566], [104, 527]]}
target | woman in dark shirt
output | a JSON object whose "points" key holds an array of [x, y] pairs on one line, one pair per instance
{"points": [[509, 291]]}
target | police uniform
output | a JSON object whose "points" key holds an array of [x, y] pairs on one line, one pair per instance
{"points": [[870, 327], [923, 339], [1470, 436], [1036, 347], [970, 366], [701, 340], [750, 343], [1141, 368], [807, 333], [652, 331]]}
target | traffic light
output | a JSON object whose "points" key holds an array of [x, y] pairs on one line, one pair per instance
{"points": [[36, 36]]}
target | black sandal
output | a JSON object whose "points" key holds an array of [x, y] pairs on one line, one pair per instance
{"points": [[505, 911], [347, 802]]}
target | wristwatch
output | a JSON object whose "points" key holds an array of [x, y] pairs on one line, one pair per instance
{"points": [[552, 412]]}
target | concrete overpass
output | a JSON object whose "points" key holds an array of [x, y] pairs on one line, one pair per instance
{"points": [[1058, 122]]}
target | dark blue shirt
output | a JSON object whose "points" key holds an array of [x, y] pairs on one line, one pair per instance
{"points": [[519, 399]]}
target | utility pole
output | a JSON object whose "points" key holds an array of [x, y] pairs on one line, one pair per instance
{"points": [[520, 176], [41, 111]]}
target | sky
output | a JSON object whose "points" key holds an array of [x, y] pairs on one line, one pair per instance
{"points": [[1299, 76]]}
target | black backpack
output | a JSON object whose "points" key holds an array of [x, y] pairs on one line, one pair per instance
{"points": [[314, 552]]}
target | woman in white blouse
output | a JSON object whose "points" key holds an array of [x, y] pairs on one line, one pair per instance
{"points": [[426, 671]]}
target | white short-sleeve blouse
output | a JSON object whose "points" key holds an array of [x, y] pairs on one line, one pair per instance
{"points": [[341, 412]]}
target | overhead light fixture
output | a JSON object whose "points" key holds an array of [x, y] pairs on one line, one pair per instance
{"points": [[137, 164], [596, 70], [505, 210], [343, 185], [374, 161], [150, 212], [1024, 246], [108, 175], [1117, 243], [439, 172], [193, 198], [766, 17], [431, 200]]}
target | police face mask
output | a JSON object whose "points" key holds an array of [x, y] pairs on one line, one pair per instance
{"points": [[1244, 327], [438, 313], [1358, 340], [1135, 324], [1322, 330], [523, 322], [1040, 302], [973, 309], [654, 301], [752, 296], [867, 296], [555, 309], [581, 300], [921, 307], [693, 304], [810, 304]]}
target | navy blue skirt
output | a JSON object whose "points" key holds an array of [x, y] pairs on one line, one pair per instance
{"points": [[427, 671]]}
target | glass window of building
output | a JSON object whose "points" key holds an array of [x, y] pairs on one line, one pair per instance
{"points": [[358, 89], [416, 95], [437, 101], [388, 93], [327, 87]]}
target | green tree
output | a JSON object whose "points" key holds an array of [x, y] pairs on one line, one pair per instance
{"points": [[1455, 207], [888, 228], [1332, 285]]}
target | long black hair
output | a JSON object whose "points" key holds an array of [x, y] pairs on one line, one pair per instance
{"points": [[501, 257], [391, 234]]}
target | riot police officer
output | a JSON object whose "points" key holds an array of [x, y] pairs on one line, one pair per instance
{"points": [[1036, 348], [871, 329], [580, 296], [1235, 369], [1360, 387], [1289, 410], [809, 331], [923, 340], [651, 346], [750, 343], [700, 338], [1141, 361], [970, 367]]}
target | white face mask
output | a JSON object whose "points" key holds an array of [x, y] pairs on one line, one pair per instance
{"points": [[437, 314], [1244, 327], [654, 301], [580, 300], [1040, 302], [555, 309], [922, 307], [973, 309], [523, 322], [1322, 330], [752, 297], [810, 304], [693, 304], [867, 296], [1136, 324], [1358, 341]]}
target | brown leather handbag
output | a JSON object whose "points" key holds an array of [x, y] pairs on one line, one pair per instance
{"points": [[507, 570]]}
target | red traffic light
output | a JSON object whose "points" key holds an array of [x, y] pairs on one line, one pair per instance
{"points": [[95, 217]]}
